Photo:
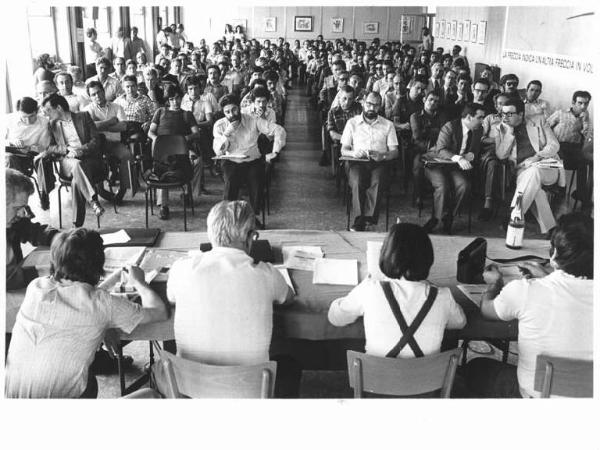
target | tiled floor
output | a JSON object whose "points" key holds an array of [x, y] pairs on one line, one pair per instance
{"points": [[303, 196]]}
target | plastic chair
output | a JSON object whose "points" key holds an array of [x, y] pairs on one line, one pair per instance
{"points": [[564, 376], [165, 146], [184, 378], [402, 377]]}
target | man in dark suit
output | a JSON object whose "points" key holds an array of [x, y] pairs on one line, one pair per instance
{"points": [[77, 146], [459, 142]]}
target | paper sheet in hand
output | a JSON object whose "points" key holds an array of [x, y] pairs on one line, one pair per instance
{"points": [[118, 257], [161, 260], [473, 292], [336, 271], [301, 257], [373, 252], [286, 276], [118, 237]]}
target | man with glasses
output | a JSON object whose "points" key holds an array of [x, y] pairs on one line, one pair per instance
{"points": [[481, 90], [459, 142], [510, 84], [371, 139], [526, 144]]}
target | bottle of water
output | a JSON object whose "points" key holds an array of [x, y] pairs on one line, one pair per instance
{"points": [[516, 226]]}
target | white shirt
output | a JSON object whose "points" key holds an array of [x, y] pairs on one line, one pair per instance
{"points": [[379, 135], [76, 102], [465, 137], [69, 133], [382, 331], [108, 111], [556, 315], [37, 133], [224, 313]]}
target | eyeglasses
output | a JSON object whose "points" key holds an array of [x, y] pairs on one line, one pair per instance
{"points": [[511, 83], [343, 79], [508, 114]]}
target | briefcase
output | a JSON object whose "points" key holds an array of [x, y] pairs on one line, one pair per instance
{"points": [[471, 262]]}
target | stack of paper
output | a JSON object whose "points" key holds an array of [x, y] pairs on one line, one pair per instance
{"points": [[336, 271], [115, 258], [119, 237], [301, 257]]}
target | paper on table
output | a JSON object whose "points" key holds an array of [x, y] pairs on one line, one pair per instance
{"points": [[118, 237], [161, 260], [373, 252], [336, 271], [286, 276], [301, 257], [473, 292], [116, 258], [231, 156]]}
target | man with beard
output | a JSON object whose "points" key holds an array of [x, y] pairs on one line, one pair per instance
{"points": [[371, 138], [237, 134]]}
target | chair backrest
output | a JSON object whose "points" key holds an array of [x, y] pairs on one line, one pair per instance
{"points": [[186, 378], [167, 145], [402, 377], [564, 376]]}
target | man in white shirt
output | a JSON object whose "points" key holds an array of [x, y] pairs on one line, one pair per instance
{"points": [[372, 139], [224, 301], [112, 86], [64, 83], [534, 105]]}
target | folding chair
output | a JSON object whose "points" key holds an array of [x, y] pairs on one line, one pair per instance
{"points": [[564, 376]]}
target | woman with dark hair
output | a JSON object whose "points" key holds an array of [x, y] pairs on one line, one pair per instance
{"points": [[554, 306], [44, 70], [64, 318], [406, 258]]}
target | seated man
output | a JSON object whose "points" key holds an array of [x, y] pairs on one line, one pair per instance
{"points": [[459, 141], [20, 229], [64, 83], [28, 136], [112, 86], [77, 146], [572, 128], [224, 301], [534, 105], [525, 143], [368, 136], [237, 134], [554, 306], [339, 116]]}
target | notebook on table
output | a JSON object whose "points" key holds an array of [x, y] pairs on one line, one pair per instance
{"points": [[138, 237]]}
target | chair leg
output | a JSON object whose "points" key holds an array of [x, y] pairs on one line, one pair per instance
{"points": [[348, 198], [189, 186], [98, 220], [387, 212], [59, 208], [146, 204], [184, 210], [151, 200]]}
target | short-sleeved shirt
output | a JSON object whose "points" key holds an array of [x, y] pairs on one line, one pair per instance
{"points": [[224, 313], [139, 109], [173, 122], [199, 108], [382, 331], [57, 331], [378, 136], [37, 133], [568, 127], [555, 314], [112, 87], [108, 111]]}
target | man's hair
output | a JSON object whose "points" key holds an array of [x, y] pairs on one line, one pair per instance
{"points": [[583, 94], [470, 109], [517, 103], [573, 240], [194, 80], [172, 90], [149, 69], [57, 100], [407, 252], [482, 81], [103, 60], [508, 76], [377, 95], [129, 78], [16, 182], [229, 99], [77, 255], [131, 61], [271, 75], [418, 79], [348, 89], [260, 92], [62, 73], [431, 92], [536, 82], [27, 105], [93, 84], [339, 63], [117, 58], [229, 222], [213, 66]]}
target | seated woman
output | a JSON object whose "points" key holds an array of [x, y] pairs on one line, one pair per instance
{"points": [[172, 120], [64, 318], [554, 306], [406, 258]]}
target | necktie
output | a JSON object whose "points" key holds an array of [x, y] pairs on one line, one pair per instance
{"points": [[469, 139]]}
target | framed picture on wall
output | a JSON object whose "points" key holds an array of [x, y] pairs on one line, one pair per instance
{"points": [[303, 23], [370, 27], [466, 30], [442, 29], [436, 30], [270, 24], [453, 30], [459, 31], [448, 29], [337, 25], [405, 25], [481, 32], [473, 32]]}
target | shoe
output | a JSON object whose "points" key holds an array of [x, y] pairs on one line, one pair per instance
{"points": [[359, 224], [431, 225], [163, 213], [97, 207], [44, 202], [485, 214], [119, 196], [106, 195], [324, 161], [104, 364], [447, 224]]}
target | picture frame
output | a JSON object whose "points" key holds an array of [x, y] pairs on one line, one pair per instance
{"points": [[481, 29], [474, 32], [303, 23], [436, 30], [453, 30], [466, 30], [448, 29], [270, 24], [459, 31], [370, 27], [442, 29], [337, 24]]}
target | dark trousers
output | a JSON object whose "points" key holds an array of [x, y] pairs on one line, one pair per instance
{"points": [[489, 378], [42, 168], [84, 175], [250, 173], [443, 180], [120, 158], [574, 159], [366, 180], [91, 390], [488, 165]]}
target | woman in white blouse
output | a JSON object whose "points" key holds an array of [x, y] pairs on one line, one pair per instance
{"points": [[406, 258]]}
